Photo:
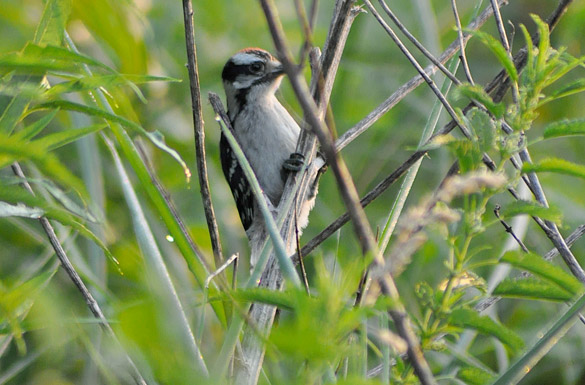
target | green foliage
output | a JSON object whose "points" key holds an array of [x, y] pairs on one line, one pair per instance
{"points": [[89, 73]]}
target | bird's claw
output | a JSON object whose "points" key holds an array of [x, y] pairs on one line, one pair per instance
{"points": [[295, 162]]}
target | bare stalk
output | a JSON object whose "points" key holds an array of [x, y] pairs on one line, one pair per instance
{"points": [[200, 132], [92, 304]]}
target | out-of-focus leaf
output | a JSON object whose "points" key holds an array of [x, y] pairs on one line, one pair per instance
{"points": [[15, 303], [58, 194], [40, 59], [565, 128], [52, 25], [19, 210], [33, 129], [15, 195], [12, 149], [155, 136], [543, 345], [61, 138], [570, 89], [536, 265], [475, 376], [519, 207], [476, 92], [104, 81], [12, 114], [532, 288], [123, 40], [261, 295], [560, 166], [469, 318]]}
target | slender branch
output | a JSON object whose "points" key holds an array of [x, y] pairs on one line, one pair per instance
{"points": [[462, 55], [416, 43], [200, 132], [550, 228], [571, 239], [167, 198], [418, 67], [92, 304], [351, 134], [509, 229]]}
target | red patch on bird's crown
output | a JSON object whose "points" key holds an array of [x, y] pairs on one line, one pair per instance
{"points": [[256, 51]]}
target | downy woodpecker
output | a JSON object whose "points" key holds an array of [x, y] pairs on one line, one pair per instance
{"points": [[265, 131]]}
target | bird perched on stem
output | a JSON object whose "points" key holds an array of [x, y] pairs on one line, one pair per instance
{"points": [[267, 134]]}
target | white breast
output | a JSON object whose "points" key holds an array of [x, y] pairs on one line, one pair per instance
{"points": [[268, 135]]}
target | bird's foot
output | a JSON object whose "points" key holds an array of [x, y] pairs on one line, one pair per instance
{"points": [[295, 162]]}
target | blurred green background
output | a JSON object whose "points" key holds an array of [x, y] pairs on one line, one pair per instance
{"points": [[147, 37]]}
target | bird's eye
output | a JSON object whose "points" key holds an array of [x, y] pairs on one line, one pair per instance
{"points": [[257, 67]]}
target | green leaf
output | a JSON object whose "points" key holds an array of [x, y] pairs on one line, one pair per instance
{"points": [[155, 136], [19, 210], [560, 166], [567, 90], [103, 81], [15, 195], [519, 207], [32, 130], [565, 127], [61, 138], [469, 318], [536, 265], [16, 302], [543, 345], [485, 129], [532, 288], [476, 92], [12, 114], [500, 52], [13, 149], [543, 42], [80, 210], [475, 376], [40, 59], [51, 28], [262, 295]]}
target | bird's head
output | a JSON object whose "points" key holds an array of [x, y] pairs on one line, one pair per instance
{"points": [[250, 73]]}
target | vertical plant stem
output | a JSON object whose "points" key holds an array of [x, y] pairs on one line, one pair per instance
{"points": [[200, 132]]}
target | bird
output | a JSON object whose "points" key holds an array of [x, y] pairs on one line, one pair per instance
{"points": [[267, 134]]}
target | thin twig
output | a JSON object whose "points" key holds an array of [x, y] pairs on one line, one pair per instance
{"points": [[200, 132], [418, 67], [571, 239], [550, 228], [225, 265], [505, 43], [167, 198], [416, 43], [509, 229], [462, 54], [351, 134], [92, 304]]}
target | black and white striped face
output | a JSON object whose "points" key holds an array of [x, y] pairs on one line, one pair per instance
{"points": [[250, 73], [250, 67]]}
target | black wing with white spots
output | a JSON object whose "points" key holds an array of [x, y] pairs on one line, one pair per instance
{"points": [[238, 183]]}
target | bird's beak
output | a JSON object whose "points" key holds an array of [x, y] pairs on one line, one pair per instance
{"points": [[276, 70]]}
